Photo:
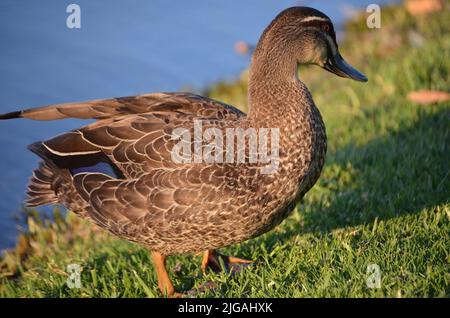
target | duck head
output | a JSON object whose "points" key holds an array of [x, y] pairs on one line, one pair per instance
{"points": [[307, 36]]}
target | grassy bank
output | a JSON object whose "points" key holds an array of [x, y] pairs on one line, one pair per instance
{"points": [[383, 197]]}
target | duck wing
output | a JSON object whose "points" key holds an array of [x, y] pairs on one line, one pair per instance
{"points": [[186, 103], [132, 135], [132, 138]]}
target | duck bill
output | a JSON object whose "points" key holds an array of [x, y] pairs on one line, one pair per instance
{"points": [[340, 67]]}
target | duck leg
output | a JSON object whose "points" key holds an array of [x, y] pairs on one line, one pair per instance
{"points": [[164, 283], [211, 259]]}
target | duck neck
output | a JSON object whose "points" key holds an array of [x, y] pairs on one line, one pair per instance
{"points": [[278, 99], [275, 91]]}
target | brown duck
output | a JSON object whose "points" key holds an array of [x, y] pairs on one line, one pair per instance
{"points": [[119, 171]]}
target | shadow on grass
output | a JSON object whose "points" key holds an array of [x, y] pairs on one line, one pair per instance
{"points": [[401, 173]]}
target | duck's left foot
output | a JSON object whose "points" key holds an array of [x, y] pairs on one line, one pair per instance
{"points": [[164, 283], [214, 260]]}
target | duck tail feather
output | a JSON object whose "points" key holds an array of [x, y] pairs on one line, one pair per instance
{"points": [[40, 188]]}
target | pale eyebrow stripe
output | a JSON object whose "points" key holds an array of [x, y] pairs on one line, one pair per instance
{"points": [[307, 19]]}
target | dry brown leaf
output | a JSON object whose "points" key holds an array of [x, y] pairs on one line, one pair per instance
{"points": [[420, 7], [428, 97]]}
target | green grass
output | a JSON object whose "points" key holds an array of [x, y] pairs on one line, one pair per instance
{"points": [[383, 197]]}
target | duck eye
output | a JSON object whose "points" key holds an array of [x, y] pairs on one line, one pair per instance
{"points": [[325, 27]]}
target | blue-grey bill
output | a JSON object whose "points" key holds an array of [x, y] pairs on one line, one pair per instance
{"points": [[340, 67]]}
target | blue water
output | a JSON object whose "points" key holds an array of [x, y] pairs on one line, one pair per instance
{"points": [[123, 48]]}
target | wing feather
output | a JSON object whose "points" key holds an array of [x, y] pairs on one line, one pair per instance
{"points": [[182, 103]]}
